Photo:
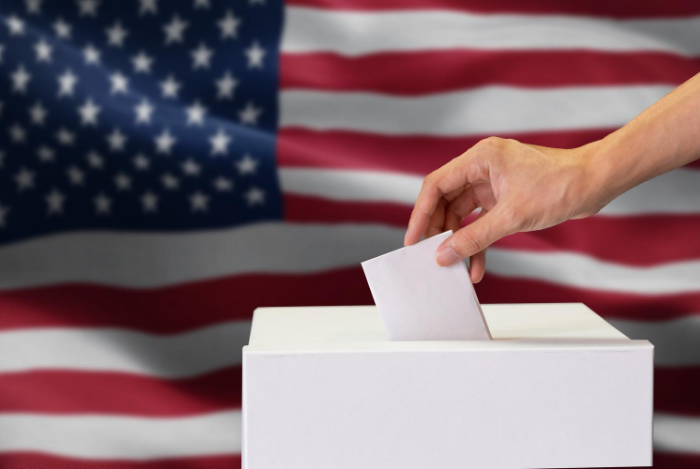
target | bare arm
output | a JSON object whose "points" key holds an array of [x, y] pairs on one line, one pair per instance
{"points": [[522, 187]]}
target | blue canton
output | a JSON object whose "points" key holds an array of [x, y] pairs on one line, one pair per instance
{"points": [[137, 115]]}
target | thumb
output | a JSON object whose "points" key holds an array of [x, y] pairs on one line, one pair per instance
{"points": [[474, 238]]}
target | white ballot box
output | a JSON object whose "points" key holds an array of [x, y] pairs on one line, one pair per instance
{"points": [[558, 387]]}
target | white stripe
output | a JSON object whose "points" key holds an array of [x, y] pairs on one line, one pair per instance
{"points": [[676, 342], [582, 271], [676, 434], [122, 438], [211, 348], [208, 349], [143, 260], [673, 193], [351, 185], [356, 33], [490, 110], [148, 260], [101, 349]]}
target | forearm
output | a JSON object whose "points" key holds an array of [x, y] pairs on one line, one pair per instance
{"points": [[660, 139]]}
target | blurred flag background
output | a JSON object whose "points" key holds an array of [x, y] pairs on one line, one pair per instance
{"points": [[168, 166]]}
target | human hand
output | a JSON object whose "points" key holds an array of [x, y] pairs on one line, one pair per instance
{"points": [[518, 188]]}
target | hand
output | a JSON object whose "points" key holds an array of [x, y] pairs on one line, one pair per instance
{"points": [[518, 188]]}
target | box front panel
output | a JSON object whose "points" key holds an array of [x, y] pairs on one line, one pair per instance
{"points": [[487, 409]]}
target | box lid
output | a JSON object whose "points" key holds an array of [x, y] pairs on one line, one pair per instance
{"points": [[344, 328]]}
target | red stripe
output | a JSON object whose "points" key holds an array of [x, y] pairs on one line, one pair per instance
{"points": [[177, 309], [599, 8], [305, 209], [443, 71], [27, 460], [612, 239], [170, 310], [74, 392], [676, 461], [676, 390], [417, 155]]}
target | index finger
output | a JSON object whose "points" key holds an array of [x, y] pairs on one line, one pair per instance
{"points": [[435, 185]]}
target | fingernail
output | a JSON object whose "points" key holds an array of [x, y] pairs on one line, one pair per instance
{"points": [[446, 256]]}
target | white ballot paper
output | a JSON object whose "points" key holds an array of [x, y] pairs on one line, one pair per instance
{"points": [[419, 300]]}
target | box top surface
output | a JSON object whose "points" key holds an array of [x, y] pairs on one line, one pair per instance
{"points": [[341, 328]]}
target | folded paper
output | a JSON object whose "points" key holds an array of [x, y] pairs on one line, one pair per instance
{"points": [[419, 300]]}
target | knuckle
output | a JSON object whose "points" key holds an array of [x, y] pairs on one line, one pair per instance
{"points": [[490, 142]]}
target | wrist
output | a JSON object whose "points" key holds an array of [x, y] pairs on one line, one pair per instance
{"points": [[602, 177]]}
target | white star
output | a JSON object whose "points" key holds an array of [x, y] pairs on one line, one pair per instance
{"points": [[65, 137], [43, 51], [220, 143], [120, 83], [165, 142], [75, 176], [142, 63], [144, 112], [170, 87], [92, 55], [55, 201], [20, 80], [38, 114], [255, 56], [123, 182], [67, 83], [116, 35], [88, 7], [45, 154], [226, 85], [103, 204], [199, 202], [24, 180], [141, 162], [63, 29], [202, 4], [4, 211], [195, 114], [149, 6], [17, 133], [250, 114], [150, 202], [170, 182], [175, 30], [223, 185], [201, 57], [95, 160], [229, 25], [255, 196], [247, 165], [15, 25], [33, 6], [89, 113], [116, 140], [191, 168]]}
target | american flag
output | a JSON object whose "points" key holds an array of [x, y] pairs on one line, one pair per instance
{"points": [[168, 166]]}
